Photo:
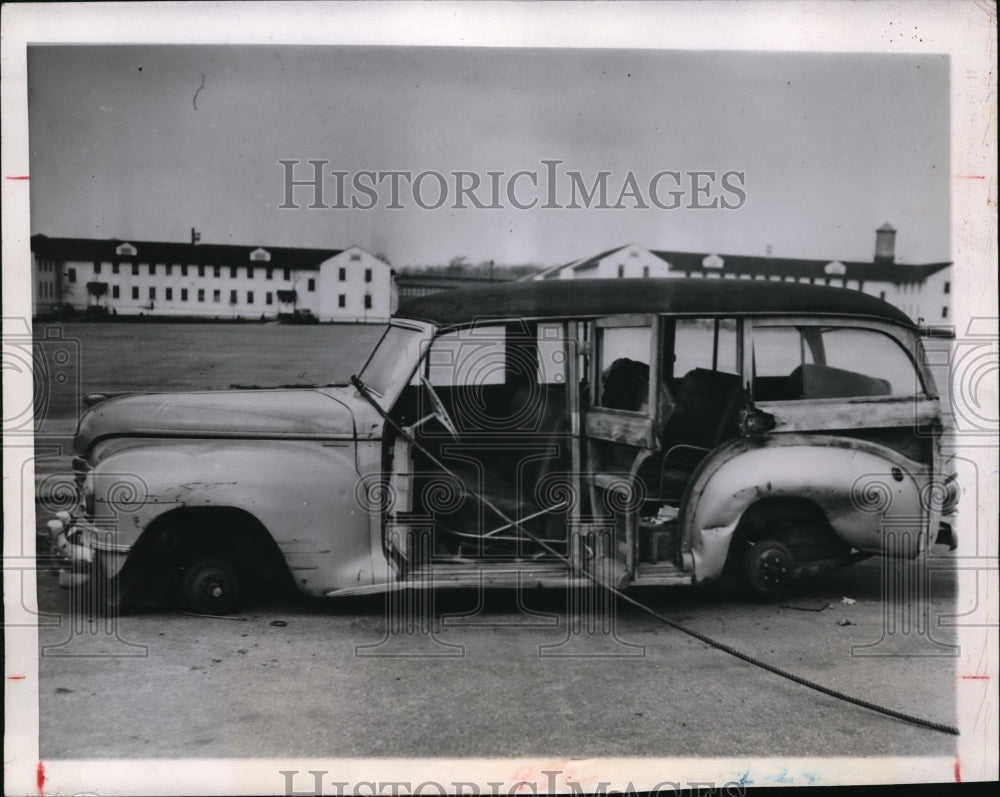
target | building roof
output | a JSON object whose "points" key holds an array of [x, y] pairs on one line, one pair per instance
{"points": [[103, 249], [879, 271], [593, 298], [753, 266], [577, 265]]}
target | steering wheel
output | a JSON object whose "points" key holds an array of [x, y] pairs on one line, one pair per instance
{"points": [[439, 409]]}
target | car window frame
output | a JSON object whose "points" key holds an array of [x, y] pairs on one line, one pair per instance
{"points": [[907, 340]]}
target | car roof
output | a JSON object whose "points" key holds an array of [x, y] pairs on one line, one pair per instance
{"points": [[593, 298]]}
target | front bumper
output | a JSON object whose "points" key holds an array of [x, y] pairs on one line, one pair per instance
{"points": [[86, 552]]}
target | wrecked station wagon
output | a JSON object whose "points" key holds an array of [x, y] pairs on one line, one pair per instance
{"points": [[653, 432]]}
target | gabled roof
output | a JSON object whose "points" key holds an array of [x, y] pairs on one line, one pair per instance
{"points": [[749, 265], [86, 249], [593, 298], [581, 264], [593, 262]]}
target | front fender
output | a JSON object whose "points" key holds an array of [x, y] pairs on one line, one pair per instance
{"points": [[302, 492], [872, 495]]}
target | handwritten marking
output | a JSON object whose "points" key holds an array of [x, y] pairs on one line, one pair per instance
{"points": [[40, 778], [975, 677], [17, 177], [958, 770], [970, 176], [15, 677]]}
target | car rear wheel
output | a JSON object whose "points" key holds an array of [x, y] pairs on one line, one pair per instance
{"points": [[769, 568], [210, 586]]}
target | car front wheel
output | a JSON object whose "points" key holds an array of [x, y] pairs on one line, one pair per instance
{"points": [[210, 586]]}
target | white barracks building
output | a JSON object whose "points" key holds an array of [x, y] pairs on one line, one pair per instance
{"points": [[921, 291], [209, 280]]}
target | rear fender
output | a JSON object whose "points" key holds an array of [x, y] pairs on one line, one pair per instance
{"points": [[871, 495]]}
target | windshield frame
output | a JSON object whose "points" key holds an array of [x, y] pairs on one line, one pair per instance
{"points": [[411, 356]]}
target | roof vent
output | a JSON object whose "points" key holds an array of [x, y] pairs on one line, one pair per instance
{"points": [[836, 267], [125, 250], [260, 255], [713, 261]]}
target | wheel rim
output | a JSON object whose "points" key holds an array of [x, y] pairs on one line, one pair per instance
{"points": [[211, 587], [770, 567]]}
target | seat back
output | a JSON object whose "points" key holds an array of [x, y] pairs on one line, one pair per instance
{"points": [[707, 409], [822, 381]]}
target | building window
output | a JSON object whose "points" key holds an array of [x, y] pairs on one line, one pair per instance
{"points": [[368, 301], [97, 268], [342, 301], [249, 297], [645, 271], [947, 288], [342, 274], [217, 271], [170, 294], [621, 270], [269, 298], [269, 273], [152, 293], [287, 274], [232, 297], [201, 294], [184, 271], [368, 275], [216, 296], [71, 275], [232, 272], [184, 294], [152, 269], [114, 268], [944, 312], [115, 293], [135, 269], [249, 272], [355, 257], [135, 292], [170, 269], [311, 285]]}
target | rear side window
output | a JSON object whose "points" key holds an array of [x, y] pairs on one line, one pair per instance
{"points": [[807, 362]]}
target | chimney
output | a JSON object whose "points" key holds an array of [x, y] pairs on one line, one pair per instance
{"points": [[195, 236], [885, 244]]}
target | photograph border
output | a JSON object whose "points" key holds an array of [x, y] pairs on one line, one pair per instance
{"points": [[965, 31]]}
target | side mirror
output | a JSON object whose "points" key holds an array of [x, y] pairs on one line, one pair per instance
{"points": [[754, 422]]}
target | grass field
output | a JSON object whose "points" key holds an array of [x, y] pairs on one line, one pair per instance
{"points": [[136, 357]]}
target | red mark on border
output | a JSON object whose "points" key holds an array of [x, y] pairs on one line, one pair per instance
{"points": [[958, 770], [970, 176], [975, 677], [40, 778], [17, 177], [15, 677]]}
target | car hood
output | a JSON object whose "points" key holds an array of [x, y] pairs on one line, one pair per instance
{"points": [[218, 413]]}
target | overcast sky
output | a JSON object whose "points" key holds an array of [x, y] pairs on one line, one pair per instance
{"points": [[124, 144]]}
